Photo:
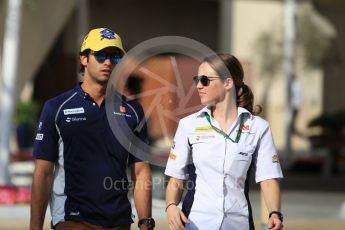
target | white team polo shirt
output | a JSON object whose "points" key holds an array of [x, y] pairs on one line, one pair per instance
{"points": [[221, 167]]}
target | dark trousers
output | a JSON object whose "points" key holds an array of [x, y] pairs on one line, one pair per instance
{"points": [[78, 225]]}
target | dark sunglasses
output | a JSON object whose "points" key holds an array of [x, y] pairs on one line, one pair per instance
{"points": [[101, 56], [204, 80]]}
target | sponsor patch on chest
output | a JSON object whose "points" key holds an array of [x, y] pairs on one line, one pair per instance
{"points": [[204, 137], [245, 128], [75, 119], [206, 128], [73, 111]]}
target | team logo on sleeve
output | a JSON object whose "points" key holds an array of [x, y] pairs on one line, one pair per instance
{"points": [[39, 126], [172, 156], [39, 136], [275, 159], [173, 145]]}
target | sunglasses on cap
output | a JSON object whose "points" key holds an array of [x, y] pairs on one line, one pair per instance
{"points": [[204, 80], [101, 56]]}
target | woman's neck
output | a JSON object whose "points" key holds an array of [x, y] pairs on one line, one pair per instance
{"points": [[225, 113]]}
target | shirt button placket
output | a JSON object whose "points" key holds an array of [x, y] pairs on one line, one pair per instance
{"points": [[224, 173]]}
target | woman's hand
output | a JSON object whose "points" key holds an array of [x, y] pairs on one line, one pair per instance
{"points": [[274, 223], [176, 217]]}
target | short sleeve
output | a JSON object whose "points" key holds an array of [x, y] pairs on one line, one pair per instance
{"points": [[179, 156], [141, 139], [266, 158], [46, 144]]}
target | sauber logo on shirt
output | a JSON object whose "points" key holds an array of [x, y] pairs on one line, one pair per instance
{"points": [[39, 136], [122, 112], [73, 111], [245, 128], [122, 109]]}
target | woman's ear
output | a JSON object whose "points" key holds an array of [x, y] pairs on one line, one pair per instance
{"points": [[228, 83]]}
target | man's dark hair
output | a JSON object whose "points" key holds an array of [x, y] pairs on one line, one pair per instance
{"points": [[84, 53]]}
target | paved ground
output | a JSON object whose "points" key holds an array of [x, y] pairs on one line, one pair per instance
{"points": [[310, 201], [162, 225], [304, 210]]}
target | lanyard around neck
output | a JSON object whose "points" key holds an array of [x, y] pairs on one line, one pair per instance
{"points": [[239, 132]]}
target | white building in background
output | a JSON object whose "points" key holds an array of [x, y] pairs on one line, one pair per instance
{"points": [[250, 20]]}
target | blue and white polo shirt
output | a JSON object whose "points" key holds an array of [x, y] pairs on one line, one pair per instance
{"points": [[90, 182], [217, 169]]}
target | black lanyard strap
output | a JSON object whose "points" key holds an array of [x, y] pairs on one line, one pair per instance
{"points": [[239, 132]]}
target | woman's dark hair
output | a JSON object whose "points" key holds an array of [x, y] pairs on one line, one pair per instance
{"points": [[223, 64]]}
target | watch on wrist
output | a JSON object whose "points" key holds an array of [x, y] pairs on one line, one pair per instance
{"points": [[150, 222], [279, 214]]}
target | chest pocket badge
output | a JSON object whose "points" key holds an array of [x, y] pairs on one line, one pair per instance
{"points": [[242, 161]]}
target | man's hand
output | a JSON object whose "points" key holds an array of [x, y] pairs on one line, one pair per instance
{"points": [[40, 194]]}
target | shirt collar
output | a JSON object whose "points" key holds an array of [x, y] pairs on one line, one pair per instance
{"points": [[207, 109], [82, 93], [80, 90], [241, 110], [204, 110]]}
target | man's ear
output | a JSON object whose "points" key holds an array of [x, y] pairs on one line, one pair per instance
{"points": [[228, 83], [83, 59]]}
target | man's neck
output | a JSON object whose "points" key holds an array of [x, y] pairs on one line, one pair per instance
{"points": [[95, 90]]}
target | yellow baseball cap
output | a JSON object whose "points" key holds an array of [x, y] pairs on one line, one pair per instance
{"points": [[101, 38]]}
